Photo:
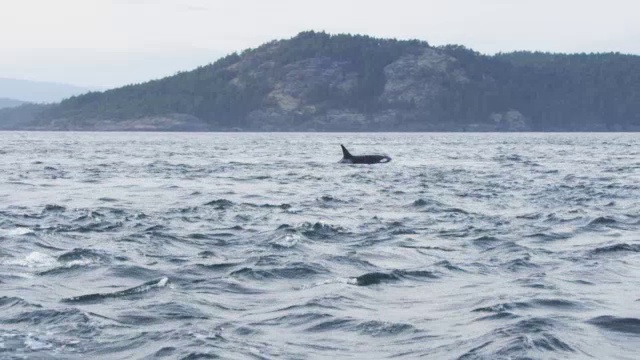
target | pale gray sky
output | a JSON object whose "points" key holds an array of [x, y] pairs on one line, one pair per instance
{"points": [[114, 42]]}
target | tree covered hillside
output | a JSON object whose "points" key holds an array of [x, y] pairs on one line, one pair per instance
{"points": [[317, 81]]}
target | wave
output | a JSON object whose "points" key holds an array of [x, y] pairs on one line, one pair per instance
{"points": [[486, 241], [293, 319], [219, 266], [83, 256], [331, 199], [438, 248], [550, 236], [374, 278], [77, 259], [616, 248], [321, 231], [220, 204], [49, 317], [292, 271], [520, 339], [17, 231], [617, 324], [285, 240], [559, 304], [427, 202], [54, 208], [134, 291], [603, 221], [34, 260], [8, 302], [372, 328]]}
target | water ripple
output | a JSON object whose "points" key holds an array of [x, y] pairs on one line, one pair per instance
{"points": [[193, 246]]}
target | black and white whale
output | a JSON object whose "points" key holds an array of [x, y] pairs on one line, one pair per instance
{"points": [[362, 159]]}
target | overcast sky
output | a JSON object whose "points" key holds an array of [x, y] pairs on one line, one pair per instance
{"points": [[109, 43]]}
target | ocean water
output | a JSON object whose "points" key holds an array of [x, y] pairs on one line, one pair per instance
{"points": [[262, 246]]}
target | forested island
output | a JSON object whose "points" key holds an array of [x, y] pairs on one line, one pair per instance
{"points": [[321, 82]]}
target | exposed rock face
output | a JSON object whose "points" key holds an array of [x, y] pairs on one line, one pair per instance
{"points": [[413, 85], [411, 95], [311, 78], [295, 101], [419, 79]]}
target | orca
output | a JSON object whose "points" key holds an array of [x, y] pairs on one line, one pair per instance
{"points": [[347, 158]]}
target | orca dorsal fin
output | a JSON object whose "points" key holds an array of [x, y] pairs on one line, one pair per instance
{"points": [[345, 152]]}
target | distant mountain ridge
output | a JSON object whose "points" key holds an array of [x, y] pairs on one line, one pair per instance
{"points": [[38, 91], [7, 103], [321, 82]]}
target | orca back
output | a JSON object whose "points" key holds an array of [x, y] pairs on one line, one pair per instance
{"points": [[362, 159]]}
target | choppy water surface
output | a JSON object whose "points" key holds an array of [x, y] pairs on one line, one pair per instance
{"points": [[468, 246]]}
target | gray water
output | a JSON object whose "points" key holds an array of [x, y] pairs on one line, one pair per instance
{"points": [[262, 246]]}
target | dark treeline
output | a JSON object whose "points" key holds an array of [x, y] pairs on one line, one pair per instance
{"points": [[569, 91], [553, 91]]}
